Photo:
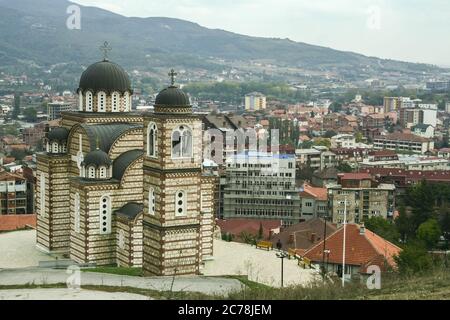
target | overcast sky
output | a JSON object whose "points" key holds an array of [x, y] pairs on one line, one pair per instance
{"points": [[410, 30]]}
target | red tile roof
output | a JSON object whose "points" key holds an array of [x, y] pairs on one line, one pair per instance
{"points": [[399, 136], [361, 249], [314, 192], [237, 226], [354, 176]]}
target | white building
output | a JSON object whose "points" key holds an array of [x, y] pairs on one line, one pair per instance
{"points": [[409, 163]]}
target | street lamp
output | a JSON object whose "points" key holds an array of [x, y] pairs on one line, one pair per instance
{"points": [[282, 255]]}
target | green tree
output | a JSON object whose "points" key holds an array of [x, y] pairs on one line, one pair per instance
{"points": [[16, 106], [260, 232], [429, 232], [404, 224], [359, 137], [414, 258], [383, 228], [344, 167], [30, 114], [445, 224], [330, 134]]}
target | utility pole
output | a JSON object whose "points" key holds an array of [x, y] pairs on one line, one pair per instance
{"points": [[343, 249], [324, 245]]}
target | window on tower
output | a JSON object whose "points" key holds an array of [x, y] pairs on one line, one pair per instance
{"points": [[180, 203], [182, 143], [151, 201], [105, 215], [152, 139]]}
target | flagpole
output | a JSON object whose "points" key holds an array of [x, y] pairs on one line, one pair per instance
{"points": [[343, 249]]}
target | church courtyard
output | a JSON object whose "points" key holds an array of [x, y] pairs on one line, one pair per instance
{"points": [[19, 251]]}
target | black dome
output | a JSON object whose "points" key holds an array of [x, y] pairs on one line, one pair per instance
{"points": [[105, 76], [97, 158], [172, 97], [58, 134]]}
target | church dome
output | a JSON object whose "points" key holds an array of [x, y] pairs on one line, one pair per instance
{"points": [[105, 76], [172, 97], [97, 158], [58, 134]]}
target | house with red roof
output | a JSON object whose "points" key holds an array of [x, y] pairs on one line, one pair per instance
{"points": [[363, 249], [314, 202]]}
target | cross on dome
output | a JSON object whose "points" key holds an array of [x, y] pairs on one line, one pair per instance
{"points": [[172, 75], [105, 48]]}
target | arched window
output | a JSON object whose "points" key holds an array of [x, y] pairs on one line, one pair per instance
{"points": [[55, 147], [151, 201], [152, 140], [180, 203], [103, 172], [182, 143], [115, 102], [89, 101], [77, 217], [80, 101], [101, 102], [126, 101], [91, 172], [105, 215]]}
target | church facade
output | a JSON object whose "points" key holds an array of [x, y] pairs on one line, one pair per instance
{"points": [[119, 188]]}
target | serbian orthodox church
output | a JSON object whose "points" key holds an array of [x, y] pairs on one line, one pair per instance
{"points": [[116, 187]]}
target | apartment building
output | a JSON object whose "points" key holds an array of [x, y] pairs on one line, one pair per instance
{"points": [[317, 158], [404, 142], [261, 186], [365, 198], [314, 202], [13, 194], [405, 162]]}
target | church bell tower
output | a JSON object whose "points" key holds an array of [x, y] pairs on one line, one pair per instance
{"points": [[172, 242]]}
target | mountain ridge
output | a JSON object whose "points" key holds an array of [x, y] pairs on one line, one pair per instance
{"points": [[30, 29]]}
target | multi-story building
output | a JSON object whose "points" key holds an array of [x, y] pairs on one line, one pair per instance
{"points": [[54, 109], [261, 186], [13, 194], [314, 202], [255, 101], [423, 130], [317, 158], [392, 103], [407, 163], [418, 114], [404, 142], [365, 198]]}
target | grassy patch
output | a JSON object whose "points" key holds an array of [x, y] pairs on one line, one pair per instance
{"points": [[134, 272]]}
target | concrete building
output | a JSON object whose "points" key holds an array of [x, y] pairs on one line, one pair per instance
{"points": [[418, 114], [314, 202], [261, 186], [408, 163], [404, 142], [13, 194], [54, 109], [423, 130], [365, 198], [317, 158], [255, 101]]}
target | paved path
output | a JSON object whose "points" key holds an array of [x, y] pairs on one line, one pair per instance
{"points": [[231, 258], [18, 250], [38, 276], [67, 294]]}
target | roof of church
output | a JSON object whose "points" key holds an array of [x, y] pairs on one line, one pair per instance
{"points": [[124, 161], [131, 210], [107, 134], [105, 76], [172, 97], [58, 134], [98, 158]]}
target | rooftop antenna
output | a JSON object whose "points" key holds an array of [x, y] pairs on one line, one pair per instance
{"points": [[172, 75], [105, 48]]}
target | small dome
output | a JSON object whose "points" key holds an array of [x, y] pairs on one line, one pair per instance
{"points": [[105, 76], [172, 97], [97, 158], [58, 134]]}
